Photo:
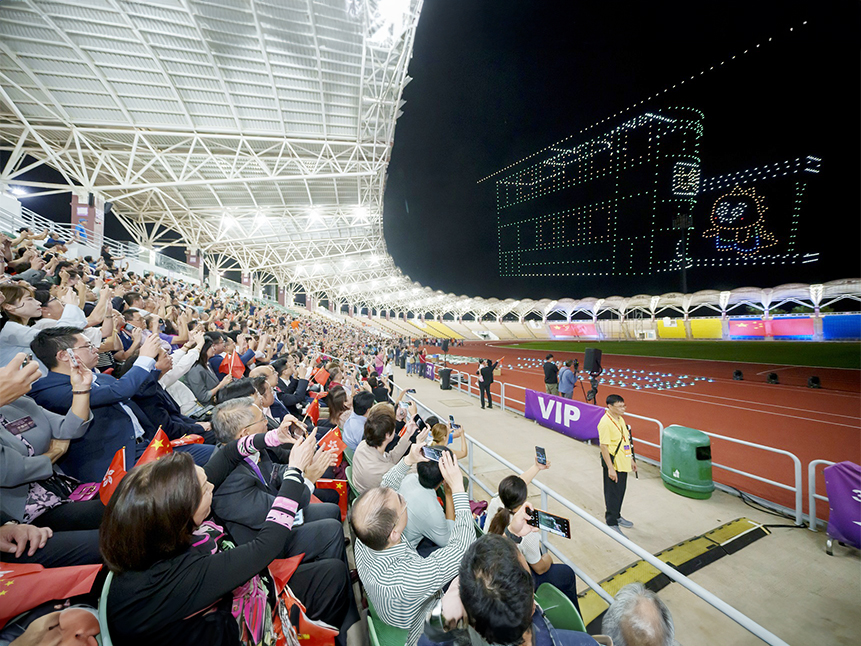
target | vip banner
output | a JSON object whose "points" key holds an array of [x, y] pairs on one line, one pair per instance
{"points": [[567, 416], [843, 485], [430, 371]]}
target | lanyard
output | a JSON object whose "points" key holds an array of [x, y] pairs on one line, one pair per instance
{"points": [[256, 469]]}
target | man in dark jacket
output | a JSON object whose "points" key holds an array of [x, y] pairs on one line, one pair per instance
{"points": [[486, 373], [551, 376]]}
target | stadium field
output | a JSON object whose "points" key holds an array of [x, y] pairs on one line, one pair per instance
{"points": [[786, 353]]}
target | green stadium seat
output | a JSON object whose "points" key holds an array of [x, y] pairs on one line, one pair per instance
{"points": [[349, 471], [105, 637], [382, 634], [348, 455], [558, 608]]}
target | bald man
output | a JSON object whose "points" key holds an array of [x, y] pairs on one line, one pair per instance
{"points": [[399, 583]]}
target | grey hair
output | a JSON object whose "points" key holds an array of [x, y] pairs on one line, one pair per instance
{"points": [[628, 625], [230, 417]]}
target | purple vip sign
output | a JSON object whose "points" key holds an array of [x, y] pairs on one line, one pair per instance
{"points": [[572, 418], [843, 485], [430, 371]]}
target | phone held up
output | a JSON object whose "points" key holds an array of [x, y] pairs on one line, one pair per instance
{"points": [[73, 359], [540, 455], [550, 522], [432, 453]]}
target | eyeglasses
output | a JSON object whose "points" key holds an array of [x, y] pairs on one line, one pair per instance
{"points": [[89, 346]]}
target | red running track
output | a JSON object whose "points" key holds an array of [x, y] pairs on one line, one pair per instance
{"points": [[812, 424]]}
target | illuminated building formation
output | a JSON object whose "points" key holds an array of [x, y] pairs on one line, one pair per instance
{"points": [[632, 202]]}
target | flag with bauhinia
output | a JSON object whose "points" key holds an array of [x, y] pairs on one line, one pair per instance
{"points": [[113, 475], [332, 441], [158, 448]]}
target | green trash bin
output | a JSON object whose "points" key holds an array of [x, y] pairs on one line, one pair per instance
{"points": [[686, 462]]}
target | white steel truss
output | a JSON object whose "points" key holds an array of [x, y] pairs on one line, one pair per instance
{"points": [[254, 130]]}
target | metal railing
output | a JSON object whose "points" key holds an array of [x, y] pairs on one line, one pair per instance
{"points": [[812, 496], [546, 493], [466, 379]]}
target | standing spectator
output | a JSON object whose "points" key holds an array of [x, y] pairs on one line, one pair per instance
{"points": [[638, 617], [566, 380], [551, 376], [485, 379], [617, 460]]}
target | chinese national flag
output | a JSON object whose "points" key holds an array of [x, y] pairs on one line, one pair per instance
{"points": [[23, 586], [321, 376], [191, 438], [116, 471], [341, 487], [333, 441], [158, 448], [313, 411]]}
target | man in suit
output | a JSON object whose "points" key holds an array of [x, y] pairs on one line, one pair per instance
{"points": [[486, 373], [244, 499], [117, 423]]}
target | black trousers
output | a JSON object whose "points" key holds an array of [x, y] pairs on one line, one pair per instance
{"points": [[614, 494], [325, 590], [321, 536], [63, 549], [484, 387]]}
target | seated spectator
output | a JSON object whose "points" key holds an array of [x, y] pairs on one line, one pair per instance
{"points": [[18, 308], [493, 596], [160, 407], [174, 579], [245, 497], [380, 392], [32, 489], [429, 527], [507, 514], [339, 405], [277, 410], [400, 584], [292, 385], [354, 427], [117, 423], [372, 461], [638, 617], [202, 379], [443, 432], [181, 362]]}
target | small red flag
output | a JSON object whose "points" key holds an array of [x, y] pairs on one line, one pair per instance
{"points": [[313, 411], [332, 441], [158, 448], [321, 376], [23, 586], [116, 471], [191, 438], [337, 485]]}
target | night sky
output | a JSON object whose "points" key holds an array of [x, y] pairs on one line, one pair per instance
{"points": [[495, 83]]}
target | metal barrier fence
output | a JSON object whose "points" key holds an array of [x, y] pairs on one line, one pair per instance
{"points": [[546, 493], [812, 496], [506, 403]]}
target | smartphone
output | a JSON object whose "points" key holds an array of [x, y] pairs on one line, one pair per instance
{"points": [[27, 359], [411, 391], [550, 522], [432, 453], [405, 405], [72, 358], [419, 422], [540, 455]]}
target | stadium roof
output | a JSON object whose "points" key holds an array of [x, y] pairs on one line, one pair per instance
{"points": [[259, 131]]}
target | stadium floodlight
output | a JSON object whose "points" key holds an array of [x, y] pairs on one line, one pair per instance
{"points": [[228, 222], [17, 190]]}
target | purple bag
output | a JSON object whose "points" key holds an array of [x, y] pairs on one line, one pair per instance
{"points": [[85, 491], [843, 486]]}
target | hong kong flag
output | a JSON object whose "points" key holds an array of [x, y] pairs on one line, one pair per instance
{"points": [[332, 441], [158, 448], [116, 471]]}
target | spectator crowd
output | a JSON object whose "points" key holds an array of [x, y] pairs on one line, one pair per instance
{"points": [[196, 445]]}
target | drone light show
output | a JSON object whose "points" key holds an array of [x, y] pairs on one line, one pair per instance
{"points": [[633, 201]]}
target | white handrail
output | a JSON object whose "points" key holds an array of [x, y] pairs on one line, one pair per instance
{"points": [[812, 496], [743, 620], [799, 495]]}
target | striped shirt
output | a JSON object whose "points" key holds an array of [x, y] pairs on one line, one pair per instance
{"points": [[402, 585]]}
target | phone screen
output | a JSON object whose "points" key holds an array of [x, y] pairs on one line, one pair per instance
{"points": [[540, 455], [550, 522], [432, 453], [451, 423], [419, 422]]}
